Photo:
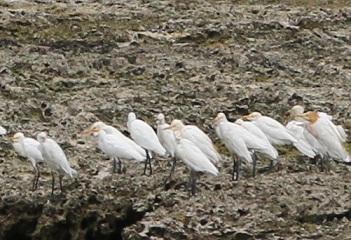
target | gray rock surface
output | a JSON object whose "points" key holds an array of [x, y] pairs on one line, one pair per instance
{"points": [[66, 64]]}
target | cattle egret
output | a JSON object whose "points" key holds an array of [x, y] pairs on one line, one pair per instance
{"points": [[29, 148], [198, 137], [55, 158], [303, 145], [2, 131], [167, 140], [122, 138], [276, 133], [324, 131], [298, 109], [144, 135], [115, 145], [238, 140], [194, 158]]}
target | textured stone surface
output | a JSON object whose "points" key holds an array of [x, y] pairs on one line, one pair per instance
{"points": [[66, 64]]}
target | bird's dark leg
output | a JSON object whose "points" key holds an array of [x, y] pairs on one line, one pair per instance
{"points": [[234, 167], [174, 162], [53, 184], [238, 169], [147, 162], [116, 168], [271, 165], [60, 178], [192, 182], [36, 177], [254, 162]]}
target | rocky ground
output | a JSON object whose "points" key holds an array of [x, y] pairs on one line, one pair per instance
{"points": [[65, 65]]}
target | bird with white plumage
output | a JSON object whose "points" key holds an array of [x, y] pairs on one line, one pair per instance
{"points": [[144, 135], [114, 144], [198, 137], [168, 141], [324, 131], [239, 141], [121, 139], [29, 148], [55, 159], [194, 158]]}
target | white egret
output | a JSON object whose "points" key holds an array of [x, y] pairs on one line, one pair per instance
{"points": [[2, 131], [276, 133], [194, 158], [238, 140], [55, 158], [122, 138], [144, 135], [167, 140], [198, 137], [324, 131], [298, 109], [252, 128], [319, 150], [303, 145], [29, 148], [115, 145]]}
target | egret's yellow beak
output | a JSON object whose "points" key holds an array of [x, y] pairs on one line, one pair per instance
{"points": [[289, 112], [90, 130], [170, 127], [246, 116]]}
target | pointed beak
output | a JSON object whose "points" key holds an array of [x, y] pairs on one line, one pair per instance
{"points": [[90, 130], [169, 127], [289, 112], [215, 120], [246, 117]]}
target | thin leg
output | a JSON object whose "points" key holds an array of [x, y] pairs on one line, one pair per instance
{"points": [[254, 162], [174, 162], [192, 182], [234, 167], [238, 169], [53, 184], [60, 178], [36, 177], [117, 169], [147, 163]]}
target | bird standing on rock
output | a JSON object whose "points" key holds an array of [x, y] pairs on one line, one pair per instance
{"points": [[55, 158], [122, 142], [198, 137], [276, 132], [144, 135], [324, 131], [167, 140], [29, 148], [194, 158], [239, 141], [116, 145]]}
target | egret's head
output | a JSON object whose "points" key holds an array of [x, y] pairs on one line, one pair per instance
{"points": [[176, 125], [17, 137], [239, 121], [96, 127], [220, 117], [42, 136], [160, 119], [297, 109], [252, 116], [311, 116], [131, 116]]}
